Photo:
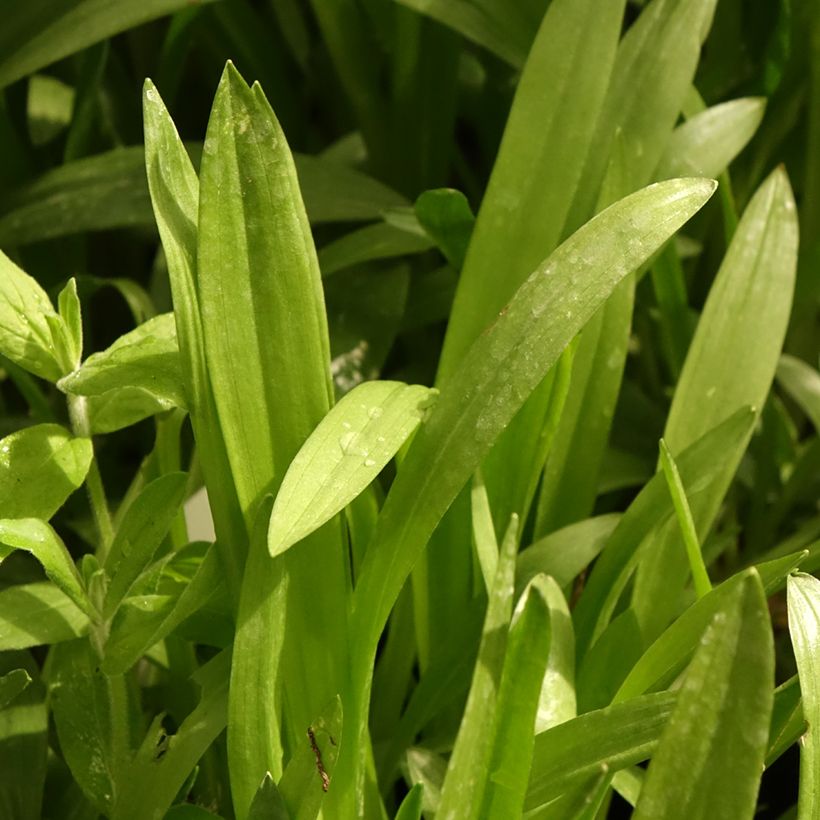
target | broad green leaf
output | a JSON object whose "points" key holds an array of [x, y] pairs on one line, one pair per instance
{"points": [[41, 33], [175, 196], [35, 536], [607, 581], [120, 408], [12, 684], [267, 803], [709, 761], [618, 736], [309, 774], [504, 365], [27, 324], [255, 702], [188, 583], [468, 768], [23, 743], [525, 663], [140, 532], [507, 31], [40, 467], [804, 626], [379, 241], [557, 702], [564, 554], [731, 363], [802, 383], [447, 219], [146, 358], [347, 450], [705, 144], [162, 763], [37, 614], [94, 719]]}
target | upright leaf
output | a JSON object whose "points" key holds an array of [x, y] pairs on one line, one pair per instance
{"points": [[804, 626], [709, 761]]}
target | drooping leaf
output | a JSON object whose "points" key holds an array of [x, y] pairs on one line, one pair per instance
{"points": [[37, 614], [40, 467], [41, 33], [804, 626], [35, 536], [710, 758], [617, 736], [343, 455]]}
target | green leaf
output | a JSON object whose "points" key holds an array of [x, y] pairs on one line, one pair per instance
{"points": [[41, 34], [168, 593], [699, 470], [38, 538], [710, 758], [267, 803], [618, 736], [70, 310], [94, 721], [705, 144], [379, 241], [142, 529], [468, 768], [564, 554], [162, 763], [40, 467], [426, 770], [447, 219], [146, 359], [411, 806], [12, 684], [348, 449], [483, 529], [525, 664], [804, 626], [37, 614], [309, 774], [23, 744], [731, 363], [802, 383], [27, 324]]}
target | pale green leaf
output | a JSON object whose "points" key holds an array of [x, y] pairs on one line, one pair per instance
{"points": [[347, 450], [802, 382], [804, 626]]}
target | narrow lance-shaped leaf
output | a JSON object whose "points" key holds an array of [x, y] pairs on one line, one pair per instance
{"points": [[710, 758], [38, 538], [503, 367], [468, 767], [731, 363], [343, 455], [804, 626], [40, 467], [518, 700]]}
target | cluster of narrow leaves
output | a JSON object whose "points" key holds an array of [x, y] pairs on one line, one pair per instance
{"points": [[473, 598]]}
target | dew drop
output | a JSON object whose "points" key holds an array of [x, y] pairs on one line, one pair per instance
{"points": [[369, 462], [347, 441], [375, 412]]}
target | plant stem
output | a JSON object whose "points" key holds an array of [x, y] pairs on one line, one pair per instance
{"points": [[78, 413]]}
